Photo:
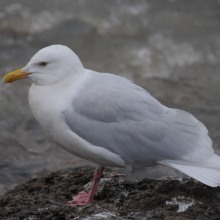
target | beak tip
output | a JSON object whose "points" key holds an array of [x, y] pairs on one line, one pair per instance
{"points": [[4, 81]]}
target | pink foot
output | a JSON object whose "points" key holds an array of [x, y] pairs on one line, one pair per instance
{"points": [[84, 198], [81, 199]]}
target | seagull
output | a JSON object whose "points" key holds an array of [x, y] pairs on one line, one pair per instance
{"points": [[110, 121]]}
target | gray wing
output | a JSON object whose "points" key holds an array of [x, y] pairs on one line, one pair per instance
{"points": [[113, 113]]}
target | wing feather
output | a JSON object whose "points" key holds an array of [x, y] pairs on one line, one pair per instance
{"points": [[113, 113]]}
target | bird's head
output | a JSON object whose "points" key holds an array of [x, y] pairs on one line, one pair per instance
{"points": [[48, 66]]}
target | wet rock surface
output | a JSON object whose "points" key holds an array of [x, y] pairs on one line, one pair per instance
{"points": [[169, 47], [119, 197]]}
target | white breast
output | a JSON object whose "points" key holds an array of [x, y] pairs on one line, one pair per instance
{"points": [[47, 104]]}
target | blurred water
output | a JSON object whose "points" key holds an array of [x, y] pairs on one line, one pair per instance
{"points": [[169, 47]]}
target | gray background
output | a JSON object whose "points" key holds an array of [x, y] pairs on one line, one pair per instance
{"points": [[169, 47]]}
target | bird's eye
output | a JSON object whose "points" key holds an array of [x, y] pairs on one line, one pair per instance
{"points": [[43, 64]]}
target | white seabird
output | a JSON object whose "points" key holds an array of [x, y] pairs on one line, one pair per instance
{"points": [[110, 121]]}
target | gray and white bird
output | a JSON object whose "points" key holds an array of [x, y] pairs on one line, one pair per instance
{"points": [[110, 121]]}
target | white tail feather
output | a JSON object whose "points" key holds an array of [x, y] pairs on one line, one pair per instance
{"points": [[207, 172]]}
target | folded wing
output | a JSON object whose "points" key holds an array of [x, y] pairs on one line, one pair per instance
{"points": [[117, 115]]}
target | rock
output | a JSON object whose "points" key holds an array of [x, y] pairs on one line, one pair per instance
{"points": [[119, 197]]}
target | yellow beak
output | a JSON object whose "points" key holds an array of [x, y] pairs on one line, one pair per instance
{"points": [[16, 75]]}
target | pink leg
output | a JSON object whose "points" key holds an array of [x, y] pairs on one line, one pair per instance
{"points": [[84, 198]]}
